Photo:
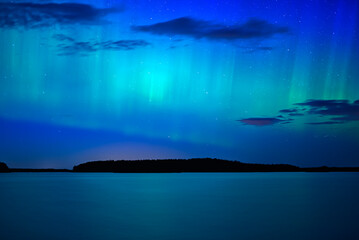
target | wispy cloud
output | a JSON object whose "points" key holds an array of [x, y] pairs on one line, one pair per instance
{"points": [[334, 112], [70, 46], [33, 15], [263, 121], [187, 26], [325, 123], [337, 110]]}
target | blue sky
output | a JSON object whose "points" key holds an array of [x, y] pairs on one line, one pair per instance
{"points": [[254, 81]]}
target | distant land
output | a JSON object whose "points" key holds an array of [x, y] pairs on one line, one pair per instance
{"points": [[181, 165]]}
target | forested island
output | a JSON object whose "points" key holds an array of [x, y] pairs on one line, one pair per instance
{"points": [[196, 165], [180, 165]]}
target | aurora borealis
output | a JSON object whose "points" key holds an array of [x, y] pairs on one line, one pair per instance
{"points": [[255, 81]]}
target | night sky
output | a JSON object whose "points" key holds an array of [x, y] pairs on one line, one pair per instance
{"points": [[255, 81]]}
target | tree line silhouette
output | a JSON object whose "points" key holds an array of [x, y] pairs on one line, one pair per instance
{"points": [[179, 165], [3, 167]]}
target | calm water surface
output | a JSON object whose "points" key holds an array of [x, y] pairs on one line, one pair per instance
{"points": [[179, 206]]}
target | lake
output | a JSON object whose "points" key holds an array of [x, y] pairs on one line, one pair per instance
{"points": [[179, 206]]}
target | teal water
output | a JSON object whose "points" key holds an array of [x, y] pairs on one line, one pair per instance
{"points": [[179, 206]]}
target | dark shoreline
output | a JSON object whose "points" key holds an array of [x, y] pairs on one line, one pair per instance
{"points": [[38, 170], [199, 165], [309, 170]]}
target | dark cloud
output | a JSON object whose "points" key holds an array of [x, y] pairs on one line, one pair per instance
{"points": [[338, 110], [325, 123], [186, 26], [32, 15], [263, 121], [69, 46], [179, 26], [293, 110], [334, 112], [253, 28], [323, 103], [295, 114]]}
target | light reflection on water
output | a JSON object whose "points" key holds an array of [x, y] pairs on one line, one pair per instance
{"points": [[179, 206]]}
